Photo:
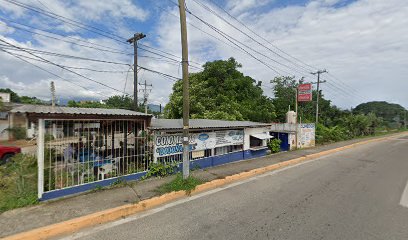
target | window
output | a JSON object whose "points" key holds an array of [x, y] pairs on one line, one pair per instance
{"points": [[228, 149], [255, 142]]}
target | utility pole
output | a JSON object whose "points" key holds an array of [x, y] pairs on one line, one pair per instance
{"points": [[318, 92], [146, 94], [52, 88], [136, 37], [186, 99]]}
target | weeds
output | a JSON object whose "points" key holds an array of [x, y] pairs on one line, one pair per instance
{"points": [[18, 182], [179, 184]]}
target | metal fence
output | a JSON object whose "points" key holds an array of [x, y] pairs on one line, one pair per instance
{"points": [[77, 152]]}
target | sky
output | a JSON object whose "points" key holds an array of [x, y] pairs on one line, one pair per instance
{"points": [[361, 43]]}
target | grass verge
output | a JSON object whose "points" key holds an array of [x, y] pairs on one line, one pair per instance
{"points": [[179, 184]]}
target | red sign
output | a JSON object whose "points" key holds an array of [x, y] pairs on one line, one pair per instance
{"points": [[305, 92]]}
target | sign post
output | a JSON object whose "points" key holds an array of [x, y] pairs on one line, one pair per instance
{"points": [[304, 92]]}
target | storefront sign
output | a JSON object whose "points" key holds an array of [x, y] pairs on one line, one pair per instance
{"points": [[305, 92], [166, 145]]}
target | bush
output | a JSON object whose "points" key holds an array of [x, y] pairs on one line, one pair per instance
{"points": [[179, 184], [160, 169], [332, 134], [18, 133], [48, 137], [274, 145], [18, 182]]}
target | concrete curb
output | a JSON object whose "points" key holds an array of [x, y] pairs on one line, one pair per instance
{"points": [[73, 225]]}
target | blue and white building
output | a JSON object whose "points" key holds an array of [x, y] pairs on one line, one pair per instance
{"points": [[212, 142]]}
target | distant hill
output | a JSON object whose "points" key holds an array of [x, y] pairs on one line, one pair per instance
{"points": [[390, 112], [155, 107]]}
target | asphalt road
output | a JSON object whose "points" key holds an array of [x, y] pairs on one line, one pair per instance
{"points": [[360, 193]]}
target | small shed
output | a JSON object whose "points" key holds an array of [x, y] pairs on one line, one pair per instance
{"points": [[81, 148], [212, 142]]}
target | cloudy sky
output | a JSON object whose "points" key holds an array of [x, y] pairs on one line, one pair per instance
{"points": [[361, 43]]}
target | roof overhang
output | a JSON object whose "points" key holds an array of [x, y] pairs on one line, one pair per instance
{"points": [[262, 136]]}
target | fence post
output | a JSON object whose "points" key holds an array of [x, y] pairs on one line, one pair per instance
{"points": [[40, 157]]}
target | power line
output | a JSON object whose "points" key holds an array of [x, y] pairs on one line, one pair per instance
{"points": [[260, 36], [69, 70], [71, 67], [160, 73], [228, 38], [71, 42], [64, 55], [62, 35], [69, 21], [45, 70], [163, 56], [247, 35], [199, 29]]}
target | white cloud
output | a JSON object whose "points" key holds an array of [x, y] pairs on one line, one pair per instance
{"points": [[4, 29], [239, 6], [363, 44]]}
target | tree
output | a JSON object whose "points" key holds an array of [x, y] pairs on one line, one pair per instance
{"points": [[220, 91], [392, 114], [122, 102], [13, 96], [284, 91]]}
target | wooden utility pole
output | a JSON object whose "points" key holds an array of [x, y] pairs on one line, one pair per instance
{"points": [[186, 99], [136, 37], [318, 93]]}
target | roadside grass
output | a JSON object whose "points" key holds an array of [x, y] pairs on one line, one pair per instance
{"points": [[18, 182], [179, 184]]}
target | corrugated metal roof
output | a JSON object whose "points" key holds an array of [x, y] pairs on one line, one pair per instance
{"points": [[174, 124], [74, 111]]}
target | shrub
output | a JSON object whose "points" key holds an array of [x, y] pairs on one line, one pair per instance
{"points": [[330, 134], [18, 132], [161, 169], [48, 137], [274, 145]]}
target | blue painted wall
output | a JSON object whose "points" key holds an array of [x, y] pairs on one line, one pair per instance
{"points": [[199, 163]]}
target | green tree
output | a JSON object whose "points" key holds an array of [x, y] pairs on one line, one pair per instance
{"points": [[221, 91], [284, 90], [120, 102], [31, 100], [13, 96], [392, 114]]}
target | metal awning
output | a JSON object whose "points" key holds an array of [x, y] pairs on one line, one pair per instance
{"points": [[262, 136]]}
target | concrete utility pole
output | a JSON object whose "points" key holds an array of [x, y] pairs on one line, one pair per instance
{"points": [[146, 94], [133, 41], [52, 88], [186, 99], [318, 92]]}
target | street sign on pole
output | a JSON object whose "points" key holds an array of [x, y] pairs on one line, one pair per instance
{"points": [[305, 92]]}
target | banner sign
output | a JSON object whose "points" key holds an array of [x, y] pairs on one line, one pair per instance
{"points": [[166, 145], [305, 92], [227, 138], [307, 135]]}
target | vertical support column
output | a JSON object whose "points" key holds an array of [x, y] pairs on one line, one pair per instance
{"points": [[40, 157]]}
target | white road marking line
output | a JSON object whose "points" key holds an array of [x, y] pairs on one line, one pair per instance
{"points": [[404, 197], [105, 226]]}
